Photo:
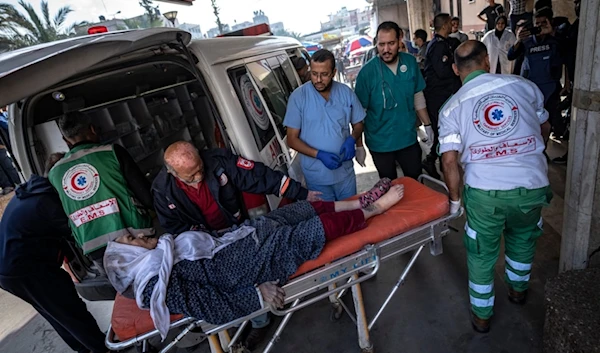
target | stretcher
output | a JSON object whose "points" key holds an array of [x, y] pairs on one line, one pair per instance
{"points": [[420, 219]]}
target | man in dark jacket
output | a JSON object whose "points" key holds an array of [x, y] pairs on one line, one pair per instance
{"points": [[33, 234], [202, 191], [441, 81]]}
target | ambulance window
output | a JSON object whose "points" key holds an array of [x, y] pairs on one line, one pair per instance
{"points": [[271, 90], [290, 78], [261, 126]]}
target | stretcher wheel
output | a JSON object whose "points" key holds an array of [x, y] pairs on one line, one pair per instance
{"points": [[336, 312]]}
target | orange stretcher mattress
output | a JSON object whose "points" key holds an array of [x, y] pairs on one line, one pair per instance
{"points": [[128, 320], [420, 205]]}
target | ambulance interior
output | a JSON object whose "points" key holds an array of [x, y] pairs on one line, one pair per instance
{"points": [[144, 108]]}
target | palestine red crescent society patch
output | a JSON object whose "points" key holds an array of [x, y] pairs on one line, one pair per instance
{"points": [[245, 164]]}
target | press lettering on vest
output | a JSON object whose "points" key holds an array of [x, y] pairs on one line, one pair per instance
{"points": [[503, 149], [540, 48], [95, 211]]}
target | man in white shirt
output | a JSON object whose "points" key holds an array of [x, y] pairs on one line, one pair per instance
{"points": [[498, 126]]}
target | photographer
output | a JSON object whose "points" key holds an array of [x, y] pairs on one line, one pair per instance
{"points": [[543, 62]]}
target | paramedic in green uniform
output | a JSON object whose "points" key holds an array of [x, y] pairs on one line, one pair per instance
{"points": [[390, 88], [101, 188], [496, 127]]}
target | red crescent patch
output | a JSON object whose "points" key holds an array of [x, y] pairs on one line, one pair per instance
{"points": [[244, 163]]}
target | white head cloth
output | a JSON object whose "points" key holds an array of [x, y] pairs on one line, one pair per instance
{"points": [[130, 265]]}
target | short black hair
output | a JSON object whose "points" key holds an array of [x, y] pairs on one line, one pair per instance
{"points": [[74, 124], [439, 20], [474, 57], [421, 34], [455, 19], [323, 55], [390, 26], [544, 12], [298, 62]]}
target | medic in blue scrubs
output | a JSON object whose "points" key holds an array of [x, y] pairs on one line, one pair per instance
{"points": [[318, 119]]}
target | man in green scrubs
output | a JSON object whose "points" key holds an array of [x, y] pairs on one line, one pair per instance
{"points": [[390, 88]]}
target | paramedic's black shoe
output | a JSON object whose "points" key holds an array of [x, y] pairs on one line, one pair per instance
{"points": [[255, 337], [429, 166], [480, 325], [517, 297], [7, 190], [560, 160]]}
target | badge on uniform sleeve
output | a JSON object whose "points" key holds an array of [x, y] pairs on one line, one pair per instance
{"points": [[172, 206], [223, 179], [444, 58], [244, 163]]}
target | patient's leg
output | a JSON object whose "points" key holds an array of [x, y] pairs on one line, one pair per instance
{"points": [[338, 224]]}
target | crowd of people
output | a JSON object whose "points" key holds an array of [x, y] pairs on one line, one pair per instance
{"points": [[214, 264]]}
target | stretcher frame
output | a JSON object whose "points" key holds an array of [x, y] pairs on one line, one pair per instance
{"points": [[346, 270]]}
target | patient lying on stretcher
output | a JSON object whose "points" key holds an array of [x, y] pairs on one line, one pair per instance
{"points": [[221, 279]]}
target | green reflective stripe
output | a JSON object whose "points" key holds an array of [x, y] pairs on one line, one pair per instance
{"points": [[520, 266], [471, 233], [515, 277], [482, 303], [474, 74], [482, 288], [102, 240], [83, 152]]}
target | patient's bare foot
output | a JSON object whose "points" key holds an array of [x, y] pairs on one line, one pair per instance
{"points": [[395, 194]]}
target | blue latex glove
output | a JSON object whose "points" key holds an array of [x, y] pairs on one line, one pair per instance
{"points": [[348, 150], [330, 160]]}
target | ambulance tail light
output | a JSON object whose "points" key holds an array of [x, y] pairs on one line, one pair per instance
{"points": [[256, 205], [97, 29]]}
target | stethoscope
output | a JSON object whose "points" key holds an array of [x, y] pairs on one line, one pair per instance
{"points": [[403, 69]]}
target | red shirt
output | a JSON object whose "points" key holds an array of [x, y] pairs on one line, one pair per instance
{"points": [[202, 198]]}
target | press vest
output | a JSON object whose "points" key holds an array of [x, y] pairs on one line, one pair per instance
{"points": [[95, 197]]}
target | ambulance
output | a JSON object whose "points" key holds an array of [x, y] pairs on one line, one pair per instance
{"points": [[146, 89]]}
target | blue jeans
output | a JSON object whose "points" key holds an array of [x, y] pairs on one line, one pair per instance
{"points": [[336, 192]]}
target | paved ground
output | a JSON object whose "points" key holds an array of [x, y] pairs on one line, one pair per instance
{"points": [[428, 314]]}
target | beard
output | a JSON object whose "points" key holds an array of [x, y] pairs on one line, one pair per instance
{"points": [[323, 88], [389, 61]]}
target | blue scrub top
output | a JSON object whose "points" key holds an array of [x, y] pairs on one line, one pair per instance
{"points": [[393, 128], [324, 125]]}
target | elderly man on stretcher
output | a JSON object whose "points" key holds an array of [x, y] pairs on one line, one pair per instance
{"points": [[220, 279]]}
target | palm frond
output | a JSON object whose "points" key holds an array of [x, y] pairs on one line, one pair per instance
{"points": [[61, 16], [38, 29], [45, 13]]}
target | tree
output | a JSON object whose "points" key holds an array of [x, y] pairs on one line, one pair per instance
{"points": [[151, 11], [29, 28], [216, 12]]}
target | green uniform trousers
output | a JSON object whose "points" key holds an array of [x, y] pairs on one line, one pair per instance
{"points": [[490, 213]]}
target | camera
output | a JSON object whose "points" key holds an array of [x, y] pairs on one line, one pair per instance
{"points": [[531, 28]]}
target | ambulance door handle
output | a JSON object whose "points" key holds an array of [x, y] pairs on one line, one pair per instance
{"points": [[280, 159]]}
